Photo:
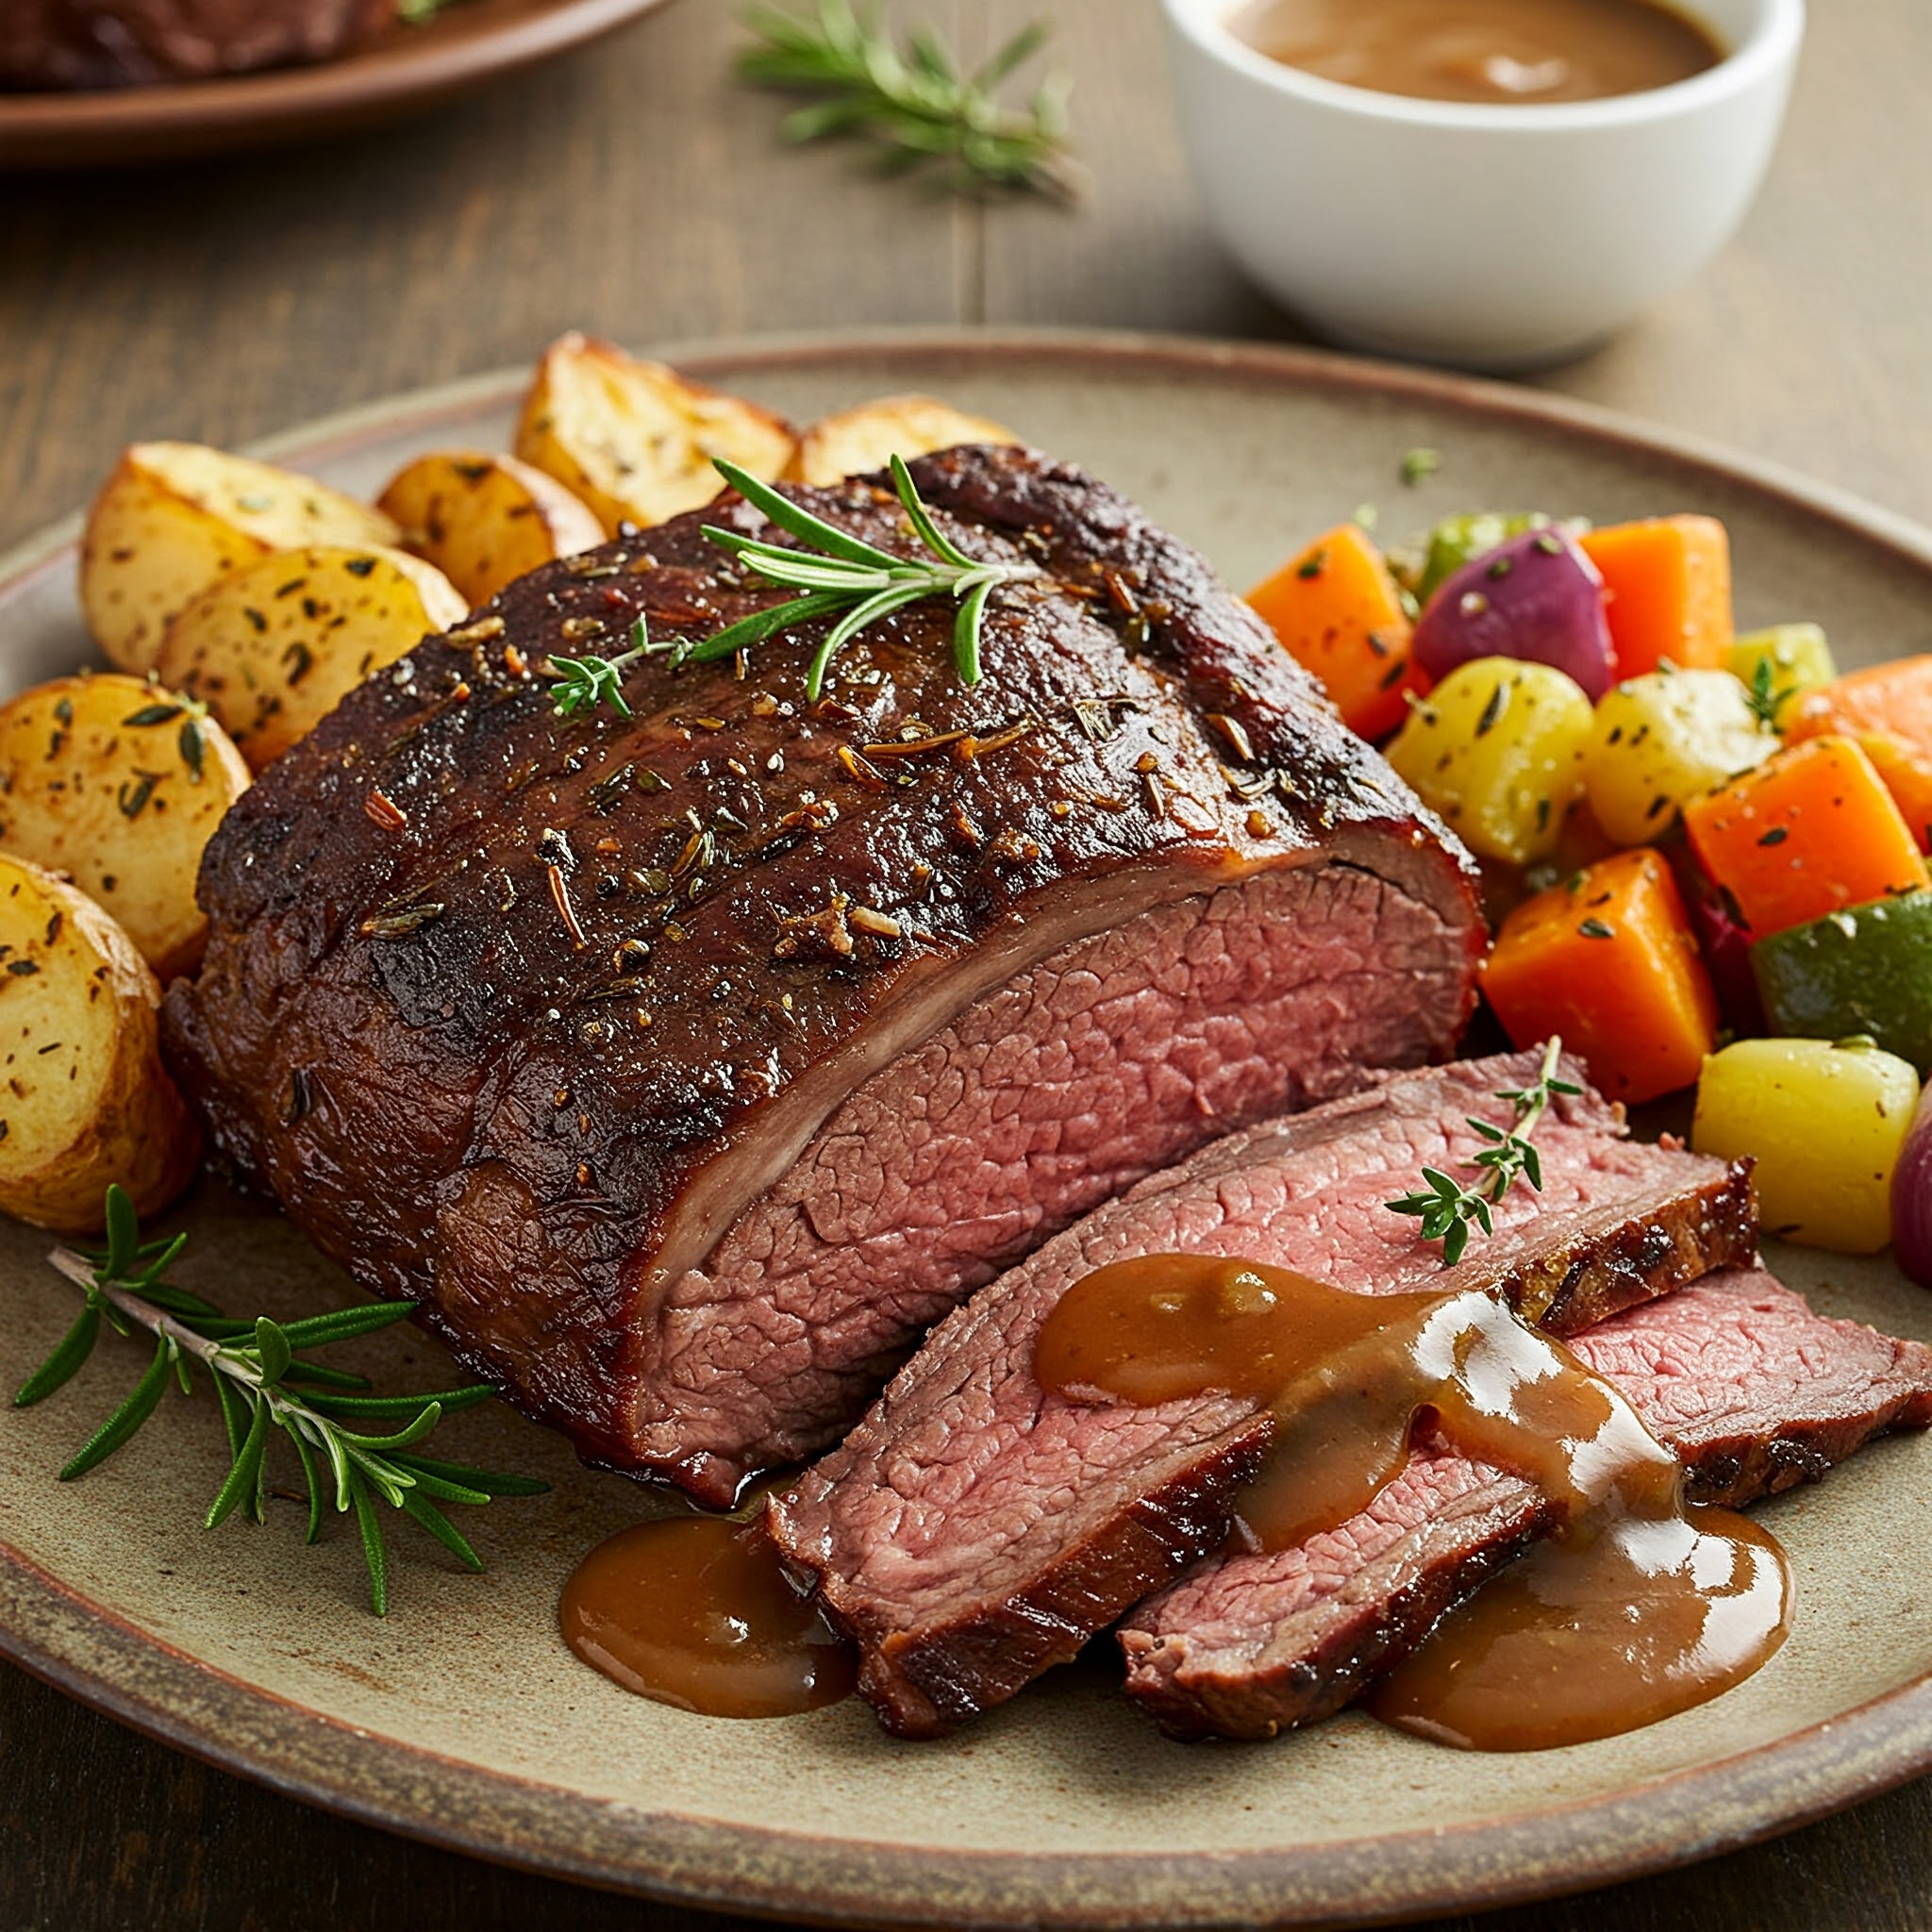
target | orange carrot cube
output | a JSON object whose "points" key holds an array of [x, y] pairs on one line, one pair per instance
{"points": [[1889, 711], [1667, 591], [1609, 961]]}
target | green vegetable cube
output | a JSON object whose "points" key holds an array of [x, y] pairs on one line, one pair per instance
{"points": [[1867, 969]]}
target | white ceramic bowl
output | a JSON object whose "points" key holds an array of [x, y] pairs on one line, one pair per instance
{"points": [[1497, 238]]}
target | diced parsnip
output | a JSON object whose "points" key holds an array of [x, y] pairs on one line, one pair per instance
{"points": [[867, 437], [119, 783], [1668, 584], [1793, 659], [1889, 711], [635, 440], [1497, 748], [175, 516], [1826, 1124], [1663, 739], [484, 521], [271, 650], [1608, 960], [84, 1098], [1865, 969], [1811, 829], [1339, 615]]}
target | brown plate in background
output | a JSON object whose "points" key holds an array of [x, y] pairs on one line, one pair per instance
{"points": [[462, 1719], [407, 68]]}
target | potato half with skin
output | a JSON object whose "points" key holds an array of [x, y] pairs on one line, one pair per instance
{"points": [[484, 521], [119, 784], [634, 440], [866, 437], [272, 649], [175, 516], [84, 1098]]}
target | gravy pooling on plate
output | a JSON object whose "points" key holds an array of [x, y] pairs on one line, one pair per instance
{"points": [[1486, 50], [1641, 1606]]}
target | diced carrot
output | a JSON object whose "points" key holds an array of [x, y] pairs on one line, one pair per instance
{"points": [[1609, 961], [1808, 831], [1889, 711], [1667, 590], [1338, 613]]}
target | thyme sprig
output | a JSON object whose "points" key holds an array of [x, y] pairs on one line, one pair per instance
{"points": [[914, 105], [581, 684], [1446, 1207], [840, 575], [1764, 697], [263, 1385]]}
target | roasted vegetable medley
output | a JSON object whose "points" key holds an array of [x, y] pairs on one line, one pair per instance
{"points": [[1705, 851]]}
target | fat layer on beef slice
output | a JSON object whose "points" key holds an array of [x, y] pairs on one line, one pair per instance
{"points": [[685, 1065], [1753, 1391], [975, 1529]]}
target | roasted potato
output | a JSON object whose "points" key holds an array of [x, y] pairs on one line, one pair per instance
{"points": [[864, 438], [84, 1098], [1662, 740], [273, 648], [634, 440], [485, 520], [175, 516], [119, 784]]}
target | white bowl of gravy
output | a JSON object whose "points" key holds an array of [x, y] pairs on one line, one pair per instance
{"points": [[1496, 184]]}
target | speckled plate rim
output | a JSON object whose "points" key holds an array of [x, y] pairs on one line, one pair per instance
{"points": [[99, 1657], [53, 130]]}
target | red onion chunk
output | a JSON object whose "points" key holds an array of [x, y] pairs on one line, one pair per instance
{"points": [[1538, 598], [1912, 1198]]}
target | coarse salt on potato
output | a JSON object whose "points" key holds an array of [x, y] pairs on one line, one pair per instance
{"points": [[866, 437], [119, 784], [273, 648], [84, 1098], [484, 521], [175, 516], [635, 440]]}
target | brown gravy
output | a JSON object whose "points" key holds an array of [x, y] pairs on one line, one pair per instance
{"points": [[1637, 1609], [696, 1611], [1485, 51]]}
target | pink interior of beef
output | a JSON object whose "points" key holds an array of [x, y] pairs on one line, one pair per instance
{"points": [[1045, 1098]]}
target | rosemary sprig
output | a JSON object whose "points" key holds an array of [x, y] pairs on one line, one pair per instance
{"points": [[840, 576], [914, 105], [263, 1384], [1447, 1208], [581, 684]]}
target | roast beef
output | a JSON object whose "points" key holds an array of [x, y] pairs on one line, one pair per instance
{"points": [[1753, 1391], [975, 1529], [685, 1065], [102, 43]]}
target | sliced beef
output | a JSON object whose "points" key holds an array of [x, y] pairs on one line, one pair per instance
{"points": [[974, 1529], [101, 43], [685, 1065], [1753, 1391]]}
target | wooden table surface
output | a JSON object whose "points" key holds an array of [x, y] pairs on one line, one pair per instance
{"points": [[633, 190]]}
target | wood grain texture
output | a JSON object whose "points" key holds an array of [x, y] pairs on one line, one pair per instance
{"points": [[634, 190]]}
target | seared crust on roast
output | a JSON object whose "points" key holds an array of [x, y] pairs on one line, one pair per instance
{"points": [[527, 1017]]}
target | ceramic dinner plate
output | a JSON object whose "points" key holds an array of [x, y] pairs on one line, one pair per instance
{"points": [[462, 1718], [407, 68]]}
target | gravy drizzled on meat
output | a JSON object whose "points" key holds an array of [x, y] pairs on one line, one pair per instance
{"points": [[1640, 1607], [695, 1611]]}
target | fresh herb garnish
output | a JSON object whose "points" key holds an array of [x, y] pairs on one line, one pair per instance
{"points": [[840, 575], [1446, 1207], [581, 684], [915, 107], [1765, 701], [263, 1384], [1419, 465]]}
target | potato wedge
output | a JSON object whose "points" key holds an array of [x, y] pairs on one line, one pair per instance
{"points": [[634, 440], [484, 521], [175, 516], [273, 648], [119, 784], [84, 1098], [862, 439]]}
